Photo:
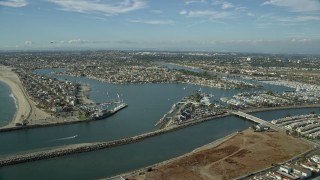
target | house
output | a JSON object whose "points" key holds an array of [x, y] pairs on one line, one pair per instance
{"points": [[311, 166], [315, 158], [282, 175], [285, 169], [302, 172]]}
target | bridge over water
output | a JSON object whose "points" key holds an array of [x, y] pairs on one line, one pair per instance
{"points": [[257, 120]]}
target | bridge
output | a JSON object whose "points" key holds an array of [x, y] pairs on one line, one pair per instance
{"points": [[257, 120]]}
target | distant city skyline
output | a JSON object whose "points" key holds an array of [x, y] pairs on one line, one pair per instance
{"points": [[261, 26]]}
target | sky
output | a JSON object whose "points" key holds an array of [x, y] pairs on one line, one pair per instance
{"points": [[261, 26]]}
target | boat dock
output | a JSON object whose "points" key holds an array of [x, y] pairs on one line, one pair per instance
{"points": [[256, 120]]}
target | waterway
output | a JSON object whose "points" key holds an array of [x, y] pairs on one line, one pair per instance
{"points": [[124, 158], [116, 160], [147, 104], [269, 116]]}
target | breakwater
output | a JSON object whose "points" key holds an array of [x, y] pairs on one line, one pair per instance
{"points": [[73, 149], [81, 148]]}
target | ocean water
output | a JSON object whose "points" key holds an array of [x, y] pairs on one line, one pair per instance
{"points": [[8, 106]]}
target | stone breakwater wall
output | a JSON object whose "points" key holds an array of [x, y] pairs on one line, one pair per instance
{"points": [[72, 149], [81, 148]]}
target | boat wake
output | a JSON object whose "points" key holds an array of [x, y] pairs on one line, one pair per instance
{"points": [[66, 138]]}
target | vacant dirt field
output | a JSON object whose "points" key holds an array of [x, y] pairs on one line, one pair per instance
{"points": [[245, 152]]}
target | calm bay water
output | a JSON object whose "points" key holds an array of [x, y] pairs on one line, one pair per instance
{"points": [[124, 158], [116, 160], [271, 115], [147, 104]]}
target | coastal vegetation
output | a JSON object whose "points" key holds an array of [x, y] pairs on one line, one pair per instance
{"points": [[84, 115]]}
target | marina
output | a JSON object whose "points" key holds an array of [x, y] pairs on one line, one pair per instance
{"points": [[98, 111], [121, 125]]}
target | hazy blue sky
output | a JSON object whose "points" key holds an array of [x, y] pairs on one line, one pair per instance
{"points": [[277, 26]]}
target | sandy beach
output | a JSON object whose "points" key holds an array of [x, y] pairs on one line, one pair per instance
{"points": [[26, 108], [85, 91]]}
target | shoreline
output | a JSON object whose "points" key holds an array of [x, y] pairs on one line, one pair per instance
{"points": [[8, 77], [94, 146], [191, 123], [212, 144], [140, 173], [84, 94], [108, 144], [26, 109], [60, 123], [12, 80]]}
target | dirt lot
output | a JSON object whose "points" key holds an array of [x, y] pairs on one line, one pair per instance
{"points": [[245, 152]]}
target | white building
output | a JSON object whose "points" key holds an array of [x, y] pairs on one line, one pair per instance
{"points": [[300, 171]]}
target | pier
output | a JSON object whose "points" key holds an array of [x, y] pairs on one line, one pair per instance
{"points": [[256, 120]]}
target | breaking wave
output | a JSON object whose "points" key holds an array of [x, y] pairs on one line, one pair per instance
{"points": [[15, 100]]}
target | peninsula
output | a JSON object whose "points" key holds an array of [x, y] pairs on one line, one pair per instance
{"points": [[42, 101], [26, 108]]}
